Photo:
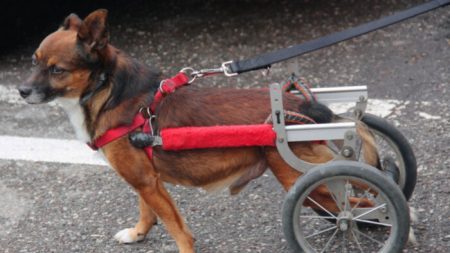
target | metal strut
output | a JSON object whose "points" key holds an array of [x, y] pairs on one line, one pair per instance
{"points": [[309, 132]]}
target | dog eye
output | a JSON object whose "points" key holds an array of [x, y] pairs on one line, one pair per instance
{"points": [[56, 70]]}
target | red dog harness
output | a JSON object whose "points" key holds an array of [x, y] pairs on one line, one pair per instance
{"points": [[167, 86], [183, 138]]}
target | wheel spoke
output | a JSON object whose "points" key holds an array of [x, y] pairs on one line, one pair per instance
{"points": [[321, 232], [329, 241], [317, 217], [371, 210], [357, 241], [321, 207], [344, 243], [373, 222], [368, 237]]}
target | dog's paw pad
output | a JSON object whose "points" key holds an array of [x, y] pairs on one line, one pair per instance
{"points": [[128, 235]]}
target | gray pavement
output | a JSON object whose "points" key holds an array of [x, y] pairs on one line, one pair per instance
{"points": [[52, 207]]}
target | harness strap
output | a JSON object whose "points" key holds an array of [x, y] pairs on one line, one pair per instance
{"points": [[166, 87], [300, 84], [116, 133]]}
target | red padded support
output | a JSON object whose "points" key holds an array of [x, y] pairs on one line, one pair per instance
{"points": [[183, 138]]}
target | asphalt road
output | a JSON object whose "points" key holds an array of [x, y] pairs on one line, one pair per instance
{"points": [[69, 207]]}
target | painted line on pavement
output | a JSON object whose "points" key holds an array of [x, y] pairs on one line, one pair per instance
{"points": [[48, 150]]}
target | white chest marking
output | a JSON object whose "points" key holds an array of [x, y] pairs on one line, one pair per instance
{"points": [[76, 117]]}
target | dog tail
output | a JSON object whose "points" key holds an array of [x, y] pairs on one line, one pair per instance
{"points": [[322, 114], [369, 146], [317, 111]]}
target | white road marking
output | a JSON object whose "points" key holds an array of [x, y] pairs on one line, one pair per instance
{"points": [[379, 107], [48, 150], [429, 116]]}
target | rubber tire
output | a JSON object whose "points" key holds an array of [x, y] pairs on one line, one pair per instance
{"points": [[383, 126], [354, 169]]}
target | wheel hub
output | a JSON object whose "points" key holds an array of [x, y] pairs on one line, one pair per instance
{"points": [[344, 220]]}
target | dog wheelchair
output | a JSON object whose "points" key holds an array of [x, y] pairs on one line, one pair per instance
{"points": [[370, 212], [383, 226]]}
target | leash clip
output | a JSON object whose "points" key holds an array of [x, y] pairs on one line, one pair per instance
{"points": [[193, 74], [226, 69], [207, 72]]}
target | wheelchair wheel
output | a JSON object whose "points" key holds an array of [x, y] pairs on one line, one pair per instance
{"points": [[355, 194], [391, 143]]}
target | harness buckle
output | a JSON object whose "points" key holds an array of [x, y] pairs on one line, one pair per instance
{"points": [[146, 112], [161, 86], [150, 124]]}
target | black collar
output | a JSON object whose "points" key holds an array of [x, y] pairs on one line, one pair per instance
{"points": [[100, 84]]}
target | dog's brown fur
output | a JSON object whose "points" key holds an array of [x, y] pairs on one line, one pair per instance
{"points": [[72, 63]]}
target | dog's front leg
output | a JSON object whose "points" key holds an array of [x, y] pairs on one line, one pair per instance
{"points": [[158, 199], [139, 172], [147, 219]]}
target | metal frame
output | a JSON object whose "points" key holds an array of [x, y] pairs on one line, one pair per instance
{"points": [[339, 94], [357, 94], [331, 131]]}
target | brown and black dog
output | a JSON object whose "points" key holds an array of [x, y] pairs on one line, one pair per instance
{"points": [[100, 88]]}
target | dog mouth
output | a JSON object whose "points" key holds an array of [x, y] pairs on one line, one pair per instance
{"points": [[38, 96], [38, 99]]}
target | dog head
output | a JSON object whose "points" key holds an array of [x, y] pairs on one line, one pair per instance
{"points": [[66, 59]]}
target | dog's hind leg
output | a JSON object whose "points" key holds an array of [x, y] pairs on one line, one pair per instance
{"points": [[369, 146], [147, 219], [285, 174], [252, 173]]}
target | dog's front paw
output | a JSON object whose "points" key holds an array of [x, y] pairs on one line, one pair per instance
{"points": [[129, 235]]}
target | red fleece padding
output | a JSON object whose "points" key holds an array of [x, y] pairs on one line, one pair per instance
{"points": [[183, 138]]}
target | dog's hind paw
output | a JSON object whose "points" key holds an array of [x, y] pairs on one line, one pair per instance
{"points": [[128, 235], [413, 216]]}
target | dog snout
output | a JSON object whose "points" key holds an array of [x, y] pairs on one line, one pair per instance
{"points": [[24, 91]]}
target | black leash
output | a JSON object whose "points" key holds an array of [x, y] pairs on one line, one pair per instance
{"points": [[266, 60]]}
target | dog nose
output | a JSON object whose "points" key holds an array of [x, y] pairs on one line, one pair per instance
{"points": [[24, 91]]}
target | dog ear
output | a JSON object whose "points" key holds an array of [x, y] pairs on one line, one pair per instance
{"points": [[93, 31], [72, 22]]}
